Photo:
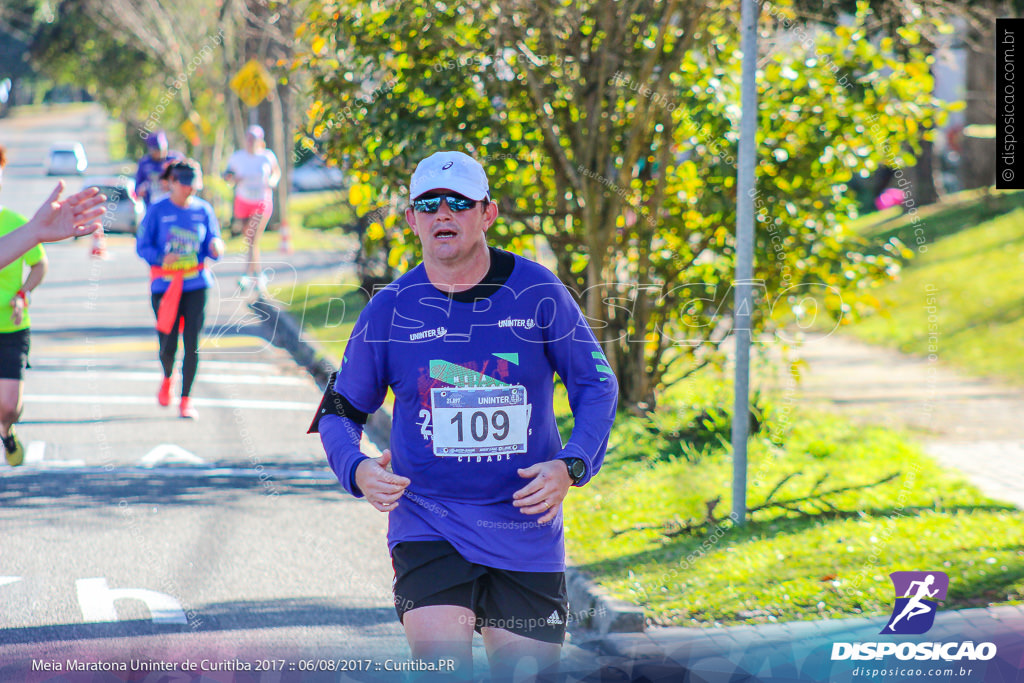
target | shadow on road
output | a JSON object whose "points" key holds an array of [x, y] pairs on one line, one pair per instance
{"points": [[93, 420], [226, 616], [56, 490]]}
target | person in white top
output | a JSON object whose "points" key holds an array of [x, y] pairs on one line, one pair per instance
{"points": [[255, 173]]}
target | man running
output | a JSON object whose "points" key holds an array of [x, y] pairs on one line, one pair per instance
{"points": [[15, 333], [469, 342]]}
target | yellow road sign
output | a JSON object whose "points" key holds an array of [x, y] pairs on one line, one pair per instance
{"points": [[252, 83]]}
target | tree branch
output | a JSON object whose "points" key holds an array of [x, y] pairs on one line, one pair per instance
{"points": [[674, 527]]}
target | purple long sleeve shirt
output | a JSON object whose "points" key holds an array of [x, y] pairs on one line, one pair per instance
{"points": [[185, 232], [473, 386]]}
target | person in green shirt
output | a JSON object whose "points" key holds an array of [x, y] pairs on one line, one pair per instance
{"points": [[14, 327]]}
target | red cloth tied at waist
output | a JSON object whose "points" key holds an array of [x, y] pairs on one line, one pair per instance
{"points": [[168, 311]]}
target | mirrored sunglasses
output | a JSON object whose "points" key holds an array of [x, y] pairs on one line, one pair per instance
{"points": [[456, 203]]}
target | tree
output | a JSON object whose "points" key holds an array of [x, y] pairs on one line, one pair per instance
{"points": [[74, 49], [609, 129], [168, 65], [17, 18], [150, 64]]}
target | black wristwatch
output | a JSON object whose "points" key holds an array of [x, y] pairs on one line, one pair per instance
{"points": [[577, 469]]}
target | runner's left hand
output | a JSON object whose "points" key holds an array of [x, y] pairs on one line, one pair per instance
{"points": [[548, 488], [17, 310]]}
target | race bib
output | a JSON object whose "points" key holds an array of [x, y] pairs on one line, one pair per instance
{"points": [[480, 420]]}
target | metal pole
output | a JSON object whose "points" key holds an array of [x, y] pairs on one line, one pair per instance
{"points": [[744, 258]]}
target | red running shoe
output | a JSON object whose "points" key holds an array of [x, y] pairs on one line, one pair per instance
{"points": [[163, 397], [187, 410]]}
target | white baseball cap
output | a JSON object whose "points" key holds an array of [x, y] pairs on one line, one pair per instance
{"points": [[453, 171]]}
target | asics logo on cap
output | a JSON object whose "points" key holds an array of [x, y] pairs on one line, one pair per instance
{"points": [[450, 170]]}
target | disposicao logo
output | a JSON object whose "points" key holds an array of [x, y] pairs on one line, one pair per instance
{"points": [[918, 595]]}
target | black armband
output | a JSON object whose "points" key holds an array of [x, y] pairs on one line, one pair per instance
{"points": [[334, 403]]}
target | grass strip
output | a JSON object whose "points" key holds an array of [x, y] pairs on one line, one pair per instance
{"points": [[961, 298]]}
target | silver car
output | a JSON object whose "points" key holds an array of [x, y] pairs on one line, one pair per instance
{"points": [[124, 210], [316, 175], [66, 158]]}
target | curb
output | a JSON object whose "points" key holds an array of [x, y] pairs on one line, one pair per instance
{"points": [[597, 611], [282, 330], [590, 605]]}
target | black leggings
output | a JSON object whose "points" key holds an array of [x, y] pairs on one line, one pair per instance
{"points": [[192, 308]]}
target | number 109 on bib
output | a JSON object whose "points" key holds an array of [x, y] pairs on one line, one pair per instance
{"points": [[480, 420]]}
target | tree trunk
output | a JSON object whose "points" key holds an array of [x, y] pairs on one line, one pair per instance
{"points": [[281, 133], [925, 191], [978, 160]]}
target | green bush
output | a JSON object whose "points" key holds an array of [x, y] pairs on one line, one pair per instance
{"points": [[220, 194], [691, 431], [330, 217]]}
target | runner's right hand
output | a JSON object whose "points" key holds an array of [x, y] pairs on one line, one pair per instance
{"points": [[381, 488]]}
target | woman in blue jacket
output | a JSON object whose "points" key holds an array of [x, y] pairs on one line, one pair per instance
{"points": [[178, 234]]}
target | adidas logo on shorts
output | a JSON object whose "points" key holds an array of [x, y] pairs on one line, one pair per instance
{"points": [[554, 619]]}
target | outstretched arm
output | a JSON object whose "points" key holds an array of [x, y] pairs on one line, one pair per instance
{"points": [[55, 220]]}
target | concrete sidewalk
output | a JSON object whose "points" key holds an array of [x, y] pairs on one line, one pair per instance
{"points": [[969, 424]]}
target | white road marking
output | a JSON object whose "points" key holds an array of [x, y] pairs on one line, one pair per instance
{"points": [[202, 378], [43, 363], [96, 600], [145, 400], [65, 467], [34, 451], [169, 452], [4, 580]]}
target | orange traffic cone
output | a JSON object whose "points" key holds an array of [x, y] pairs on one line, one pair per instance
{"points": [[99, 245], [286, 239]]}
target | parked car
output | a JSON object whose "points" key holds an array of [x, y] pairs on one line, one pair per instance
{"points": [[66, 158], [5, 96], [315, 174], [124, 210]]}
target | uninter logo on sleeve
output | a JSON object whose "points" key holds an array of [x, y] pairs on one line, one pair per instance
{"points": [[435, 333], [528, 323], [917, 598]]}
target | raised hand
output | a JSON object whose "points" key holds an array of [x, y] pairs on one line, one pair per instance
{"points": [[73, 217]]}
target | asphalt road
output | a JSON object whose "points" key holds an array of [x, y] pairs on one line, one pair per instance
{"points": [[133, 534]]}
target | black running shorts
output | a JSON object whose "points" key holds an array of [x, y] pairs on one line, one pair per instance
{"points": [[530, 604], [13, 353]]}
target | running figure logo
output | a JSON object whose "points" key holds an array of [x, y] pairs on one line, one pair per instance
{"points": [[917, 598]]}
